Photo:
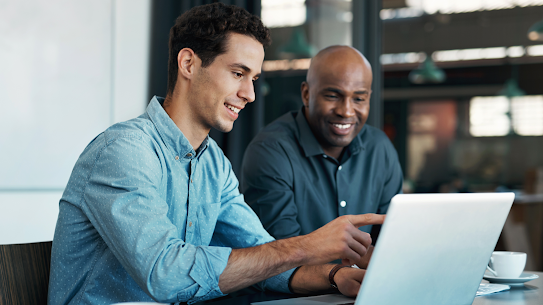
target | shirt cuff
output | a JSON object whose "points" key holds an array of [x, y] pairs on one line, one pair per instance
{"points": [[279, 282], [209, 264]]}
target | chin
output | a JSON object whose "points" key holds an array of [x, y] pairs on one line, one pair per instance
{"points": [[224, 128], [343, 142]]}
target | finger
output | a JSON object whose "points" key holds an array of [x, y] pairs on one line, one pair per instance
{"points": [[366, 219], [365, 260], [362, 237], [349, 280], [359, 243], [358, 248], [351, 255]]}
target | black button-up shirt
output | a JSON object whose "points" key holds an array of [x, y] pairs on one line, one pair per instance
{"points": [[295, 188]]}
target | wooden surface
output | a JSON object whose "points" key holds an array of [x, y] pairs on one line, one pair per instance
{"points": [[24, 273]]}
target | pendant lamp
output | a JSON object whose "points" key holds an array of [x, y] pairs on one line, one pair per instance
{"points": [[427, 72]]}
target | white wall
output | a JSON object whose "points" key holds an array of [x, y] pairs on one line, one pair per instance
{"points": [[69, 69]]}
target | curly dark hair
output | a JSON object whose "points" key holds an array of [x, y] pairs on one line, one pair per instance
{"points": [[205, 28]]}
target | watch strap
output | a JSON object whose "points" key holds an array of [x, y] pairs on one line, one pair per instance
{"points": [[333, 273]]}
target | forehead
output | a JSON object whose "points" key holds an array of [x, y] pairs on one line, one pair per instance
{"points": [[243, 49], [348, 76]]}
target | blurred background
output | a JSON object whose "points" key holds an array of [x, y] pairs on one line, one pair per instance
{"points": [[458, 89]]}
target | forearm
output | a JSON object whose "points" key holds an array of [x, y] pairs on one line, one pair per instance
{"points": [[311, 279], [339, 239], [251, 265]]}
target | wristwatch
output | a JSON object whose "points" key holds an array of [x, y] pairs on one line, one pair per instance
{"points": [[333, 273]]}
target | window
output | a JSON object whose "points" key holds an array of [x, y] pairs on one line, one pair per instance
{"points": [[494, 116]]}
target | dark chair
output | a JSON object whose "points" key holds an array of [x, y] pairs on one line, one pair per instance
{"points": [[24, 273]]}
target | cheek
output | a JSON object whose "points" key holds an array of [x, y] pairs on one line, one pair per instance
{"points": [[320, 108], [364, 110]]}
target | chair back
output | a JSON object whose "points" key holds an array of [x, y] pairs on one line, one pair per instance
{"points": [[24, 273]]}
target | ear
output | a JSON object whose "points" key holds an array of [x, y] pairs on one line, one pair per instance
{"points": [[305, 94], [186, 62]]}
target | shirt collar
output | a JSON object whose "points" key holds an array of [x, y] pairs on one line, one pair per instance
{"points": [[309, 142], [172, 136]]}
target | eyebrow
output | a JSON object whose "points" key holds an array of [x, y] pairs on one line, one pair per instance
{"points": [[244, 68], [341, 92]]}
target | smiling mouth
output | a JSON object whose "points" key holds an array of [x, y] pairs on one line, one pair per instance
{"points": [[342, 126], [234, 109]]}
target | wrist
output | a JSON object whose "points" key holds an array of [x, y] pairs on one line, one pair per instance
{"points": [[333, 272]]}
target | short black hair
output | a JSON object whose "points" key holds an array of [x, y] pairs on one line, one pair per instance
{"points": [[205, 28]]}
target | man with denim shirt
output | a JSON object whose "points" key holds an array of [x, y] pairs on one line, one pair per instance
{"points": [[152, 209]]}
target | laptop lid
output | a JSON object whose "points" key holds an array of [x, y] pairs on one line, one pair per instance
{"points": [[434, 248]]}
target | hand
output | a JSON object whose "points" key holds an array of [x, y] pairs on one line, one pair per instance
{"points": [[348, 280], [340, 239], [365, 260]]}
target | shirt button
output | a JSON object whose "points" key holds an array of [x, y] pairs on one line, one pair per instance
{"points": [[339, 168], [176, 157], [189, 155], [343, 203], [190, 224]]}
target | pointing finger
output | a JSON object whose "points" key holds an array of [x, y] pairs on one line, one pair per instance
{"points": [[366, 219]]}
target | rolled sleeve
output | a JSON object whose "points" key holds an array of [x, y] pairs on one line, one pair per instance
{"points": [[209, 264], [279, 282]]}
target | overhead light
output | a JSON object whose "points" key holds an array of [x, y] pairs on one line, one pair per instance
{"points": [[536, 31], [511, 89], [427, 72], [297, 46]]}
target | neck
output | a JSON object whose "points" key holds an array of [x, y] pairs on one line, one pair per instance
{"points": [[176, 107]]}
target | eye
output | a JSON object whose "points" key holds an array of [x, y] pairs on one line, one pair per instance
{"points": [[360, 99], [238, 74], [330, 96]]}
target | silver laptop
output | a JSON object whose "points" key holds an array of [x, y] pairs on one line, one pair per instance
{"points": [[432, 249]]}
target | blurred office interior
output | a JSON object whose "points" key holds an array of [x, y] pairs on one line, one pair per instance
{"points": [[458, 88]]}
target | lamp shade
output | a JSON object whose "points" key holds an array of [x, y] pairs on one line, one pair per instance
{"points": [[427, 72], [511, 89]]}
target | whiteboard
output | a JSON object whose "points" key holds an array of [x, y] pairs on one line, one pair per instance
{"points": [[57, 72], [68, 70], [55, 87]]}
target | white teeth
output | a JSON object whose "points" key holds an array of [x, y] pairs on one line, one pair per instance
{"points": [[236, 110], [342, 126]]}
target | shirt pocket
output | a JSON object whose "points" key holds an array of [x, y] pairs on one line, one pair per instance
{"points": [[208, 214]]}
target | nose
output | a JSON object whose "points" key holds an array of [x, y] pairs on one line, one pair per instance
{"points": [[345, 108], [247, 91]]}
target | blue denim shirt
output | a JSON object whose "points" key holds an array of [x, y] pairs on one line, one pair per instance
{"points": [[145, 217]]}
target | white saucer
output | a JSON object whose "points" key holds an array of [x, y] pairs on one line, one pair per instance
{"points": [[524, 277]]}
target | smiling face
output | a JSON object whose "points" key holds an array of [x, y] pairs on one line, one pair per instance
{"points": [[221, 90], [336, 97]]}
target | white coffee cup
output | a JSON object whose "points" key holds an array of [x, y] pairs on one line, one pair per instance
{"points": [[507, 264]]}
